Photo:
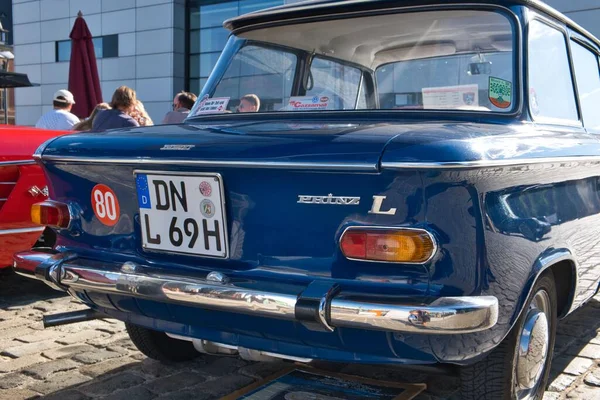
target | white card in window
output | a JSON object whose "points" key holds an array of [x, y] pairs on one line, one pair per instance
{"points": [[451, 97]]}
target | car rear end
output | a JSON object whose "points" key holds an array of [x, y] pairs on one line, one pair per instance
{"points": [[303, 259]]}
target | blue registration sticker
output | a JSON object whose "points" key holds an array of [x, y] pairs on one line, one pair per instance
{"points": [[143, 193]]}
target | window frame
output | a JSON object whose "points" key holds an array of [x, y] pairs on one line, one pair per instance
{"points": [[57, 44], [586, 44], [578, 123], [513, 16]]}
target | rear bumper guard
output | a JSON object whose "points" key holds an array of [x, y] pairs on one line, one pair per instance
{"points": [[320, 306]]}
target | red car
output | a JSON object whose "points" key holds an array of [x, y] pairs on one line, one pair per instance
{"points": [[22, 183]]}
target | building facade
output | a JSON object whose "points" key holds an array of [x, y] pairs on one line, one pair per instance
{"points": [[157, 47]]}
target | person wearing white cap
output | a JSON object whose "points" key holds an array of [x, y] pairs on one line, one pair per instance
{"points": [[60, 118]]}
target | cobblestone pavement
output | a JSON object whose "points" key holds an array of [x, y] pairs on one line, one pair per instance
{"points": [[96, 360]]}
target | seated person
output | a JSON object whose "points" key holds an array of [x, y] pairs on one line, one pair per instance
{"points": [[249, 103]]}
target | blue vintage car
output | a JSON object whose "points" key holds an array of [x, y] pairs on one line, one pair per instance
{"points": [[399, 182]]}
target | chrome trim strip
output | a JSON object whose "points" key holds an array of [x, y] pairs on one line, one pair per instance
{"points": [[21, 230], [216, 163], [446, 315], [8, 183], [486, 163], [16, 162]]}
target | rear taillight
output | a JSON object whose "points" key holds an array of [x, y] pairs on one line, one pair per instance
{"points": [[391, 245], [51, 213]]}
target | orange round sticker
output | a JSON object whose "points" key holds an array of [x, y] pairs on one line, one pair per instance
{"points": [[105, 204]]}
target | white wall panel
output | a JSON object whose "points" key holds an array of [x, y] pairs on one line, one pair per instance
{"points": [[113, 5], [87, 7], [28, 53], [126, 44], [154, 65], [48, 52], [54, 9], [144, 3], [57, 29], [26, 12], [157, 89], [118, 22], [151, 42], [154, 17], [55, 73], [26, 33], [114, 69]]}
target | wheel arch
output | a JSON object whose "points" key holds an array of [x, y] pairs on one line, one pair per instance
{"points": [[563, 265]]}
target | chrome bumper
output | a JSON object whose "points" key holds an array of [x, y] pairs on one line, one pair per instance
{"points": [[319, 306]]}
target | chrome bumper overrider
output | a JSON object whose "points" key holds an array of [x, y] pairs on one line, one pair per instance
{"points": [[319, 306]]}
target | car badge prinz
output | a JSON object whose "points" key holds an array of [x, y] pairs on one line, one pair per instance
{"points": [[177, 146], [329, 199]]}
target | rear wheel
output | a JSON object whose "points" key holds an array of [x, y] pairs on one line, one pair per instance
{"points": [[159, 346], [519, 367]]}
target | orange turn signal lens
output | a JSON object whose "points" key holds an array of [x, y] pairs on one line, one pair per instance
{"points": [[402, 245], [51, 213]]}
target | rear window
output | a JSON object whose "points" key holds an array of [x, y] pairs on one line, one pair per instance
{"points": [[435, 60]]}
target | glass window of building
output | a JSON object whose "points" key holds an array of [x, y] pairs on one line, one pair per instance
{"points": [[207, 37]]}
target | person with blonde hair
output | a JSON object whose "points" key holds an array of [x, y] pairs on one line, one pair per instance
{"points": [[140, 115], [87, 123], [249, 103], [122, 104]]}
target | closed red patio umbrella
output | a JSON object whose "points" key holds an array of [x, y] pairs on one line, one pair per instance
{"points": [[83, 71]]}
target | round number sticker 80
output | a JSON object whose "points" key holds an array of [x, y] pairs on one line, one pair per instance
{"points": [[105, 204]]}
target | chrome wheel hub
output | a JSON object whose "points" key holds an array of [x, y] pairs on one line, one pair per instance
{"points": [[533, 346]]}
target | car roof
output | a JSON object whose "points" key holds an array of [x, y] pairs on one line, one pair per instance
{"points": [[314, 8]]}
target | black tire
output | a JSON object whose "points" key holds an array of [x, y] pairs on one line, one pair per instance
{"points": [[159, 346], [495, 377]]}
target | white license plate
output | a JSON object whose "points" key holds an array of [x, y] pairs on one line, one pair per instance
{"points": [[182, 213]]}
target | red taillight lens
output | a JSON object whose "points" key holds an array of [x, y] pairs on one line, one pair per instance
{"points": [[51, 213], [405, 245]]}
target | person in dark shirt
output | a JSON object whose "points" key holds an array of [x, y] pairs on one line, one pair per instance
{"points": [[123, 102]]}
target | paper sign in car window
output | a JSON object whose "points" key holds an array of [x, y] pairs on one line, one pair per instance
{"points": [[451, 97], [212, 106], [500, 92], [304, 103]]}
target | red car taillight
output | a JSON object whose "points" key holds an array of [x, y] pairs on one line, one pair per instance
{"points": [[392, 245], [51, 213]]}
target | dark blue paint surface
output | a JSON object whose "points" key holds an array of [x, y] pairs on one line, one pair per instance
{"points": [[494, 226]]}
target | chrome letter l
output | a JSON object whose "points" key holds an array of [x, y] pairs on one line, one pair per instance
{"points": [[376, 208]]}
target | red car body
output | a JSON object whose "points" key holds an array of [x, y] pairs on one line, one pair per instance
{"points": [[22, 183]]}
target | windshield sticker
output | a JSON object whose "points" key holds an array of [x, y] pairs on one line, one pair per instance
{"points": [[500, 92], [214, 105], [308, 103], [451, 97]]}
